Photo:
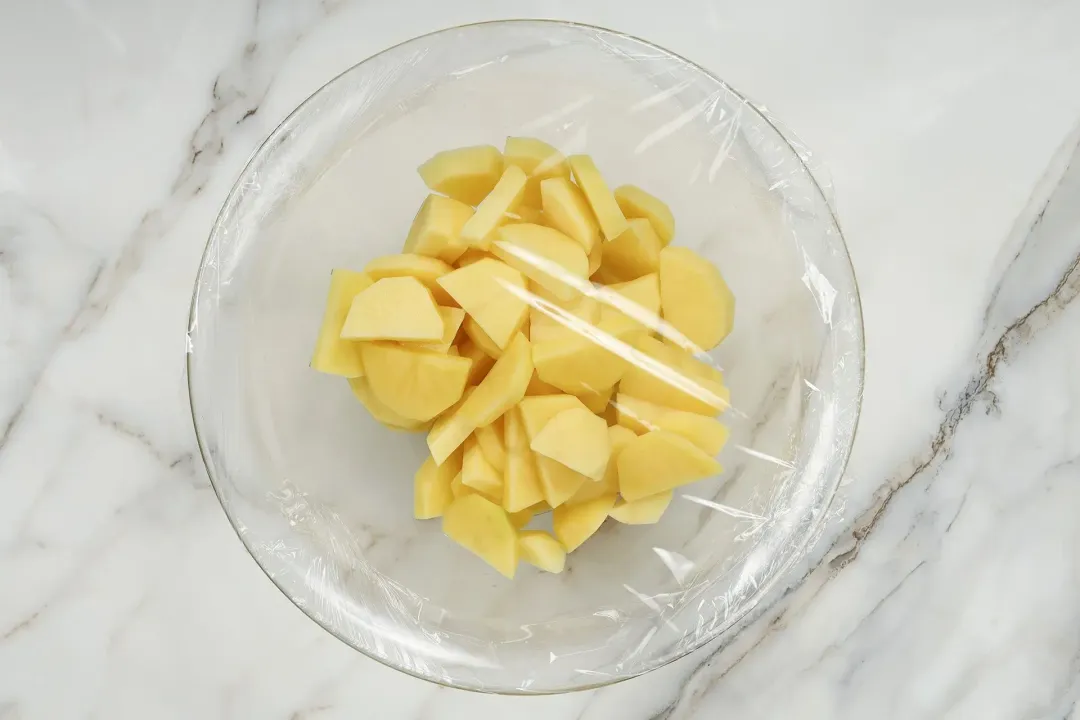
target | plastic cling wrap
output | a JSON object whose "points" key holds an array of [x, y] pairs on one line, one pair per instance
{"points": [[321, 493]]}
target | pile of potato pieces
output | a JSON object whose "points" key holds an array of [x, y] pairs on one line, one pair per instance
{"points": [[542, 330]]}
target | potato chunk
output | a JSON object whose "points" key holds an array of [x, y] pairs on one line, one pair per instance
{"points": [[467, 174], [394, 309], [332, 354], [483, 528]]}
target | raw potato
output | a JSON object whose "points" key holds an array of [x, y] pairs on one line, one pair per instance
{"points": [[618, 437], [477, 472], [645, 511], [332, 354], [415, 384], [490, 438], [581, 364], [425, 269], [574, 524], [380, 412], [557, 482], [539, 387], [452, 318], [521, 518], [608, 215], [449, 430], [503, 387], [596, 258], [695, 298], [643, 292], [397, 308], [709, 434], [481, 361], [467, 174], [567, 210], [481, 291], [484, 528], [543, 551], [669, 376], [436, 229], [597, 402], [539, 161], [634, 253], [577, 439], [521, 486], [431, 487], [504, 198], [545, 256], [639, 416], [636, 203], [659, 461]]}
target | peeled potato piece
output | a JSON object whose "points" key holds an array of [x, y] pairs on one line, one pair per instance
{"points": [[504, 198], [567, 210], [695, 298], [332, 354], [645, 511], [467, 174], [586, 361], [484, 528], [577, 439], [618, 437], [503, 387], [436, 229], [427, 270], [671, 377], [557, 482], [481, 339], [478, 473], [490, 439], [415, 384], [636, 203], [521, 486], [543, 255], [659, 461], [601, 200], [574, 524], [634, 253], [431, 487], [481, 361], [709, 434], [379, 411], [539, 161], [398, 308], [541, 550], [481, 289]]}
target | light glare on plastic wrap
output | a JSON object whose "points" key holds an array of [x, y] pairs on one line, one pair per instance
{"points": [[320, 494]]}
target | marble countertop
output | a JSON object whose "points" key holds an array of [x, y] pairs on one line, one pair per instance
{"points": [[947, 587]]}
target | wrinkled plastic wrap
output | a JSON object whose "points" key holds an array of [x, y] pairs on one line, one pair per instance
{"points": [[321, 494]]}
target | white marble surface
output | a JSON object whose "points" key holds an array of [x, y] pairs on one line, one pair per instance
{"points": [[948, 588]]}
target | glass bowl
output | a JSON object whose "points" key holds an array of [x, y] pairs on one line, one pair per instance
{"points": [[321, 494]]}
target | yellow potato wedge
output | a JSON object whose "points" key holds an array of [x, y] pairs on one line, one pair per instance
{"points": [[478, 473], [521, 487], [399, 308], [544, 255], [427, 270], [380, 412], [634, 253], [492, 444], [415, 384], [709, 434], [504, 197], [481, 361], [574, 524], [618, 437], [636, 203], [431, 487], [659, 461], [542, 551], [577, 439], [602, 201], [669, 376], [645, 511], [695, 298], [481, 289], [484, 528], [467, 174], [332, 354], [504, 386], [567, 210], [480, 339], [436, 229]]}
